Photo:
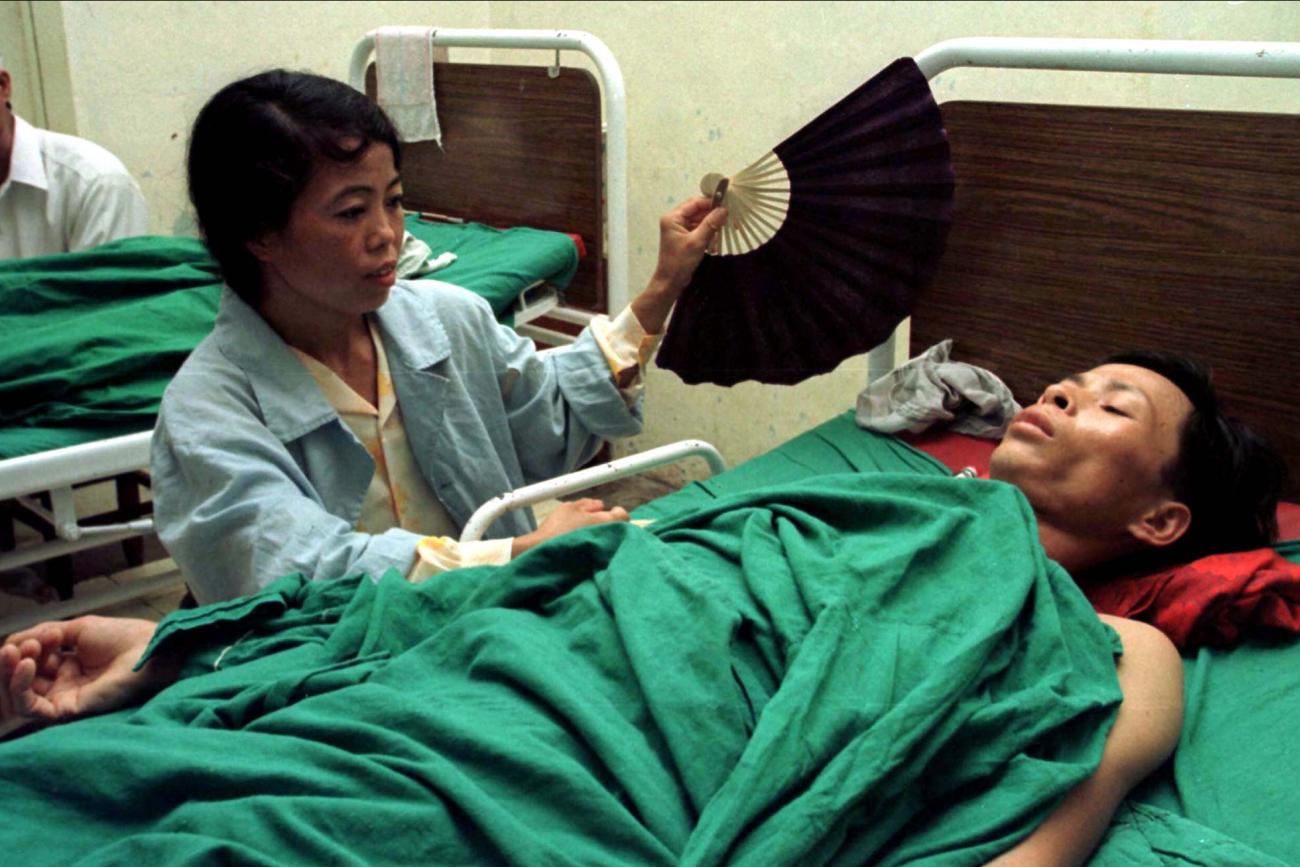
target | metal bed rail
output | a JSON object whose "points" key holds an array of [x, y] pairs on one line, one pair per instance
{"points": [[615, 105], [1160, 56], [571, 483], [55, 472]]}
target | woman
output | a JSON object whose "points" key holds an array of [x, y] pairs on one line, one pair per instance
{"points": [[337, 419]]}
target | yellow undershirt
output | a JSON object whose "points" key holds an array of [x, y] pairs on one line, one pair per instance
{"points": [[399, 496]]}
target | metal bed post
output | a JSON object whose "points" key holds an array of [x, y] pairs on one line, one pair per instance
{"points": [[615, 100], [56, 472], [1163, 56]]}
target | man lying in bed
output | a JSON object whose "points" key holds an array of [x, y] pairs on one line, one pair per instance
{"points": [[1123, 460]]}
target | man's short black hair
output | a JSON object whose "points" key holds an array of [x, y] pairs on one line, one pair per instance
{"points": [[1225, 473], [254, 147]]}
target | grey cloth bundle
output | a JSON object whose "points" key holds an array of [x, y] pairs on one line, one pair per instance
{"points": [[930, 389]]}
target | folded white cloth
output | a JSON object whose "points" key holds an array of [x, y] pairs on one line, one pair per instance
{"points": [[404, 81], [416, 260]]}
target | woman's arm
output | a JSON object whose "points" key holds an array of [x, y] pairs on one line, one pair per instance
{"points": [[561, 408], [1145, 733], [684, 235], [236, 510]]}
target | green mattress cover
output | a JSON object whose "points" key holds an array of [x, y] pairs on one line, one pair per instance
{"points": [[498, 263], [1237, 770]]}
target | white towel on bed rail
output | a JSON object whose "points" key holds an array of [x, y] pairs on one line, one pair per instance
{"points": [[404, 81]]}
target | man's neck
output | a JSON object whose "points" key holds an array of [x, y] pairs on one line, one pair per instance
{"points": [[1077, 552]]}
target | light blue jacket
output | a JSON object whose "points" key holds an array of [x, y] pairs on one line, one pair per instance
{"points": [[255, 475]]}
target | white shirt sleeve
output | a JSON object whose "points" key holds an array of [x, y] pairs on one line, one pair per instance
{"points": [[437, 554], [112, 207], [627, 348]]}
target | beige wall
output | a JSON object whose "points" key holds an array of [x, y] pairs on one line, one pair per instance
{"points": [[141, 71], [710, 87]]}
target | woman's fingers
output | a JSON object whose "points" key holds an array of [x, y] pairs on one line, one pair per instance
{"points": [[596, 509]]}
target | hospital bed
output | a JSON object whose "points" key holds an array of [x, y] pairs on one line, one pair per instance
{"points": [[1078, 230], [1084, 231], [540, 146]]}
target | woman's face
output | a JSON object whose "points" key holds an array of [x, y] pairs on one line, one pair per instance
{"points": [[338, 252]]}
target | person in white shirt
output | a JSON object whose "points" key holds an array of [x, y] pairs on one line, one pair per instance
{"points": [[60, 193]]}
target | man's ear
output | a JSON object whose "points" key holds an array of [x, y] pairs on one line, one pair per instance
{"points": [[1163, 524], [6, 86], [263, 247]]}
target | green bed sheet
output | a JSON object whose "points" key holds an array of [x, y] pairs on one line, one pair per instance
{"points": [[1237, 768], [1232, 793], [88, 341], [800, 674], [483, 267]]}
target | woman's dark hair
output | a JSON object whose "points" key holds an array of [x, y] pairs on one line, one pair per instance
{"points": [[1226, 474], [253, 149]]}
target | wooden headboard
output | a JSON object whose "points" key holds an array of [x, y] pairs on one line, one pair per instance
{"points": [[1079, 231], [520, 148]]}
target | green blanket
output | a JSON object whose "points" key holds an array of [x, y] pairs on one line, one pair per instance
{"points": [[88, 341], [869, 670]]}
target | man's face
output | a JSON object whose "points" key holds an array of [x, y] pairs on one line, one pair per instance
{"points": [[1089, 455]]}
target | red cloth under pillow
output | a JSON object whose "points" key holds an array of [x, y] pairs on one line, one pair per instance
{"points": [[1288, 521], [1216, 601]]}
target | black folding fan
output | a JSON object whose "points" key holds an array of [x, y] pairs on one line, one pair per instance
{"points": [[828, 238]]}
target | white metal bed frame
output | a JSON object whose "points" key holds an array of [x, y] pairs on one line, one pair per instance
{"points": [[615, 128], [58, 470]]}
